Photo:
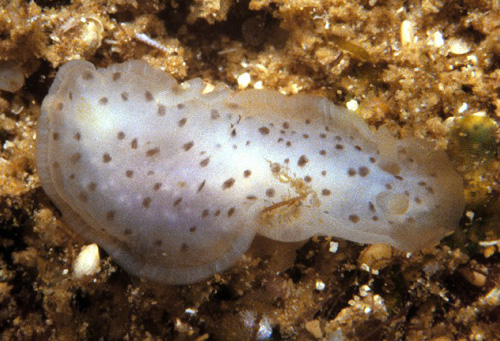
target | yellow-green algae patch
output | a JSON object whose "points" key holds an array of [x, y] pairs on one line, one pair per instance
{"points": [[408, 65]]}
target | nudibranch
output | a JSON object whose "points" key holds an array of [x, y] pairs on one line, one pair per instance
{"points": [[175, 182]]}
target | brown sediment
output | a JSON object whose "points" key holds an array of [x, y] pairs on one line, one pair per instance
{"points": [[410, 66]]}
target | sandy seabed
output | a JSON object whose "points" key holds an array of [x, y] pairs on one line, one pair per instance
{"points": [[426, 68]]}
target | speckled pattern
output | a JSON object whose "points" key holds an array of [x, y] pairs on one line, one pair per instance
{"points": [[174, 182]]}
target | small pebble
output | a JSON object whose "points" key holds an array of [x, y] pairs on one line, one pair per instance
{"points": [[11, 77], [314, 328]]}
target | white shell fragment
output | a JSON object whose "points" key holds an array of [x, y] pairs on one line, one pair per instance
{"points": [[458, 46], [175, 182], [407, 32], [87, 261]]}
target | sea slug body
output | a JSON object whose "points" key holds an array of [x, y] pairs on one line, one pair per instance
{"points": [[175, 183]]}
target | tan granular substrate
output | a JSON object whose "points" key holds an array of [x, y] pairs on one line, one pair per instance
{"points": [[416, 66]]}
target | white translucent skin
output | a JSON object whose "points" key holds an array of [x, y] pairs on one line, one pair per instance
{"points": [[175, 183]]}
